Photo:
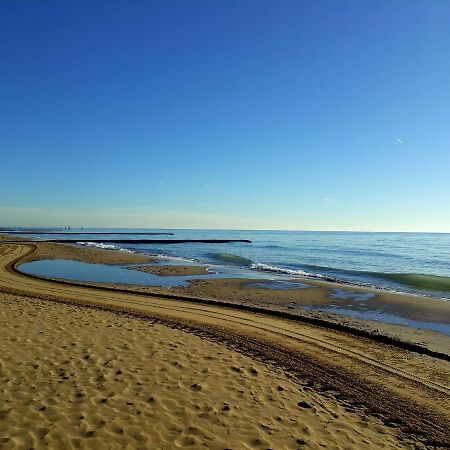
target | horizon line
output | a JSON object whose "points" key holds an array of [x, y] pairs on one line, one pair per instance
{"points": [[226, 229]]}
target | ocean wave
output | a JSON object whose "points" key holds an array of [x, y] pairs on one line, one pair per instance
{"points": [[230, 259], [428, 283], [425, 282], [105, 246], [418, 281], [280, 270], [172, 258]]}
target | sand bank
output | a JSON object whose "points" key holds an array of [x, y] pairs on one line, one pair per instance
{"points": [[86, 254], [168, 270]]}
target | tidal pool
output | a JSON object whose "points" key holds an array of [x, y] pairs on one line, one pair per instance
{"points": [[101, 273], [121, 274]]}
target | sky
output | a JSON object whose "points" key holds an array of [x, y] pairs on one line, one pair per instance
{"points": [[301, 115]]}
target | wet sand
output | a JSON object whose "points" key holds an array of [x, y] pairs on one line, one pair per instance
{"points": [[321, 295], [170, 271], [337, 389]]}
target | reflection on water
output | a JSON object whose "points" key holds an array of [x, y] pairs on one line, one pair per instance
{"points": [[104, 273], [101, 273]]}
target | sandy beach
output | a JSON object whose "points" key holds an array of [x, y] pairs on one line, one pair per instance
{"points": [[77, 378], [223, 225], [243, 292], [92, 367]]}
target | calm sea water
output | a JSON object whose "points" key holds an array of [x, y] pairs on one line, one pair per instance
{"points": [[407, 262]]}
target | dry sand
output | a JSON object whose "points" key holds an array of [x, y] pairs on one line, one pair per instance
{"points": [[337, 389], [76, 378]]}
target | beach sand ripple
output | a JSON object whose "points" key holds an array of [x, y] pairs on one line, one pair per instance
{"points": [[74, 377]]}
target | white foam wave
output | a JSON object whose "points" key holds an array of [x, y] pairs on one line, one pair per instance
{"points": [[173, 258], [268, 268], [105, 246]]}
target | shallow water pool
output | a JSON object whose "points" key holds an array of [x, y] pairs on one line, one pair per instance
{"points": [[124, 274], [101, 273]]}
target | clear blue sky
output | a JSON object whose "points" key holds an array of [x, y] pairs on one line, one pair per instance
{"points": [[226, 114]]}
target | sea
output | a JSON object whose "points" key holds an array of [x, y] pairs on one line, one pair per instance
{"points": [[414, 263]]}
